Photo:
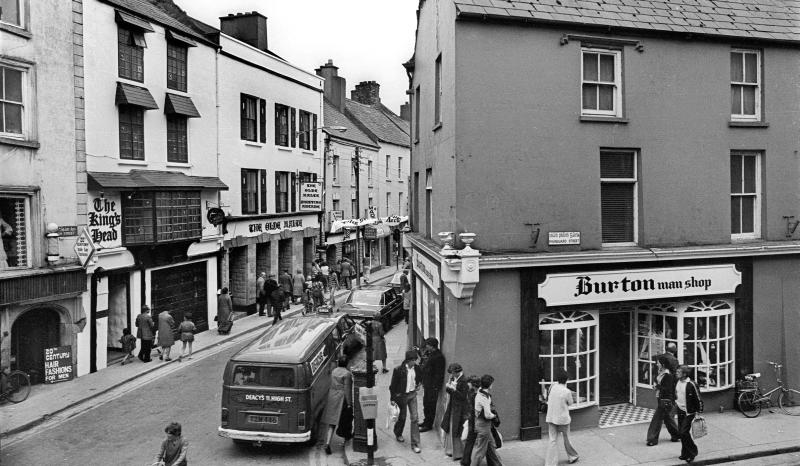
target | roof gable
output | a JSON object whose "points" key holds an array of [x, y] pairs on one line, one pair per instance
{"points": [[376, 121], [333, 117]]}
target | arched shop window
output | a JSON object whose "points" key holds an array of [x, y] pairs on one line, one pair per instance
{"points": [[703, 332], [568, 340]]}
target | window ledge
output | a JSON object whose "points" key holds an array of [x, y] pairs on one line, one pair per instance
{"points": [[748, 124], [307, 152], [285, 149], [132, 162], [19, 142], [602, 119], [179, 165], [437, 127], [252, 143], [16, 30]]}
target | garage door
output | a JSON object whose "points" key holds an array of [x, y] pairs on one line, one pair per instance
{"points": [[181, 290]]}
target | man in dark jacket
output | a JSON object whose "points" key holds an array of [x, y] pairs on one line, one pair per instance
{"points": [[261, 298], [432, 381], [269, 287], [456, 413], [278, 298], [146, 332], [403, 391], [285, 281]]}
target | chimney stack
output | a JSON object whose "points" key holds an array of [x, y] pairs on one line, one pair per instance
{"points": [[250, 28], [335, 86], [405, 112], [367, 93]]}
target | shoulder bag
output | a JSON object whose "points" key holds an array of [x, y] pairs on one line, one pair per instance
{"points": [[699, 427]]}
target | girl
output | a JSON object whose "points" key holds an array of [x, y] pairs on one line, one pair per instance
{"points": [[187, 335]]}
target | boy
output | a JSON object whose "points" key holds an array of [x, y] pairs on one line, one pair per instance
{"points": [[128, 344]]}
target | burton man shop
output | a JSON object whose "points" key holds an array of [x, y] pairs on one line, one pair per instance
{"points": [[155, 246]]}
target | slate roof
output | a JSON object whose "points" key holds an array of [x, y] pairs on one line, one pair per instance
{"points": [[153, 13], [152, 179], [775, 20], [376, 121], [333, 117]]}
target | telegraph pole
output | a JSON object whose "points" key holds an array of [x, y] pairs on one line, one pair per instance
{"points": [[357, 170]]}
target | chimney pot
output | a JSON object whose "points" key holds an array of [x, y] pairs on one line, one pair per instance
{"points": [[250, 28], [367, 93]]}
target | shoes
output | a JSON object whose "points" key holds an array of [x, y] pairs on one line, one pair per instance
{"points": [[161, 358], [416, 449], [651, 444], [261, 314], [681, 457], [167, 359], [574, 460], [690, 459], [385, 370], [327, 449], [146, 360], [400, 438]]}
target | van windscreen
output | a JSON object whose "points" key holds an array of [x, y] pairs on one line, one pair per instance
{"points": [[264, 376]]}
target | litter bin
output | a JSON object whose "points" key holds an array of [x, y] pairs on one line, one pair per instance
{"points": [[369, 402]]}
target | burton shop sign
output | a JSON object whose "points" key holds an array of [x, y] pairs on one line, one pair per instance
{"points": [[563, 289], [58, 364]]}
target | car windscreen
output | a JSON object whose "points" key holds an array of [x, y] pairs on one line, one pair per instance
{"points": [[365, 297], [263, 376]]}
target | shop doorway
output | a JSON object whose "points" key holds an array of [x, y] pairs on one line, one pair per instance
{"points": [[31, 333], [181, 290], [284, 257], [118, 311], [615, 358], [239, 278]]}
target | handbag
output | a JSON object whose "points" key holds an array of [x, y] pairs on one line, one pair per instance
{"points": [[498, 438], [699, 427]]}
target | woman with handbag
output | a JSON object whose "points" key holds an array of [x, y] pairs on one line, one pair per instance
{"points": [[338, 415], [687, 399], [665, 397]]}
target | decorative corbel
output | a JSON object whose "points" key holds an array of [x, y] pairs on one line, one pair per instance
{"points": [[460, 269]]}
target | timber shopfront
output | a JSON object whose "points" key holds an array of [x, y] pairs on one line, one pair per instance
{"points": [[427, 316]]}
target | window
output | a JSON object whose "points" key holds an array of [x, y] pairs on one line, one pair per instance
{"points": [[306, 130], [14, 223], [12, 102], [415, 194], [618, 197], [429, 203], [249, 117], [369, 172], [176, 66], [353, 169], [335, 170], [388, 203], [601, 82], [284, 125], [249, 191], [264, 376], [437, 92], [400, 209], [282, 194], [11, 12], [388, 166], [131, 132], [160, 216], [568, 340], [745, 192], [703, 331], [131, 46], [745, 85], [336, 204], [416, 114], [354, 208], [177, 145], [370, 202], [400, 168]]}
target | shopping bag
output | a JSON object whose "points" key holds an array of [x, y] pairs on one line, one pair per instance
{"points": [[465, 431], [699, 428], [393, 414], [498, 438]]}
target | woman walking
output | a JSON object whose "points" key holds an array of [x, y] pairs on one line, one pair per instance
{"points": [[456, 412], [165, 336], [338, 415], [665, 397], [379, 344], [224, 311], [687, 398], [174, 448], [558, 419], [186, 329], [474, 383]]}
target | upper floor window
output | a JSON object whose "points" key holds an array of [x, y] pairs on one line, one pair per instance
{"points": [[335, 170], [12, 101], [131, 46], [177, 139], [353, 170], [388, 166], [618, 197], [249, 117], [307, 136], [369, 172], [285, 121], [14, 225], [131, 132], [400, 168], [254, 189], [437, 92], [417, 99], [745, 195], [11, 12], [285, 189], [176, 66], [601, 82], [160, 216], [745, 85]]}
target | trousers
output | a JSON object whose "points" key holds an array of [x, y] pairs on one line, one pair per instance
{"points": [[429, 400], [407, 402], [145, 350], [662, 415], [551, 458], [688, 447]]}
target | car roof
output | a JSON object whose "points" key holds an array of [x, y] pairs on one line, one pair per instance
{"points": [[374, 288], [291, 341]]}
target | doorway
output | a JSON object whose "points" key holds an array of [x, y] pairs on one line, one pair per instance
{"points": [[181, 290], [31, 333], [118, 315], [615, 362]]}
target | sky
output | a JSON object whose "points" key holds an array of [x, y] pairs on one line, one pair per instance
{"points": [[368, 40]]}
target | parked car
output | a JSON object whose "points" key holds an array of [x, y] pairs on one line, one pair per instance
{"points": [[377, 302]]}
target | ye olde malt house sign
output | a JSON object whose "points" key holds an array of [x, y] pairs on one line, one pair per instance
{"points": [[562, 289]]}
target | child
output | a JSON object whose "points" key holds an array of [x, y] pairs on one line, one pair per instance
{"points": [[128, 344], [187, 335]]}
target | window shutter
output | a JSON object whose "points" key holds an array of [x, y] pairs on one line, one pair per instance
{"points": [[263, 120], [244, 190], [277, 123], [292, 130], [262, 174], [294, 192], [617, 212], [243, 116], [314, 132], [277, 192]]}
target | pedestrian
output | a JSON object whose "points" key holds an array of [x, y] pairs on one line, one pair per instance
{"points": [[285, 281], [325, 272], [128, 344], [365, 262], [665, 397], [407, 300], [338, 413], [407, 264], [671, 357], [433, 366], [336, 269], [165, 336], [298, 282], [186, 329], [317, 294], [174, 449], [278, 299], [403, 391], [485, 420], [456, 412], [558, 419], [347, 273], [225, 311], [353, 344], [474, 383], [269, 287], [261, 294], [378, 344], [687, 399], [145, 330]]}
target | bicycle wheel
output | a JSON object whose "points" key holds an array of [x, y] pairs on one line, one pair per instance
{"points": [[748, 404], [19, 386], [789, 401]]}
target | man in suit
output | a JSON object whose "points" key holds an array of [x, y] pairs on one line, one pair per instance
{"points": [[457, 411], [269, 287], [432, 381], [403, 391], [145, 326]]}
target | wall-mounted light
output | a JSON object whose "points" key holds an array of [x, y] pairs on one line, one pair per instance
{"points": [[791, 225]]}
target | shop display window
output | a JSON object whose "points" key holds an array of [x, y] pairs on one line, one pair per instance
{"points": [[657, 327], [13, 231], [568, 340]]}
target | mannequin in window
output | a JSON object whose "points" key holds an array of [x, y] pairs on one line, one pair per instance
{"points": [[5, 231]]}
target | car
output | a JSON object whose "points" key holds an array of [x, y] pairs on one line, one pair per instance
{"points": [[377, 302]]}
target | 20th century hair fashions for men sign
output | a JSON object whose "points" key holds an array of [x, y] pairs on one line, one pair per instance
{"points": [[629, 285]]}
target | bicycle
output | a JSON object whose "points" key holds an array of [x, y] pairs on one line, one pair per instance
{"points": [[15, 386], [752, 400]]}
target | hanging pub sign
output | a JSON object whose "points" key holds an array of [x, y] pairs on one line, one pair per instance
{"points": [[215, 216], [105, 220], [310, 196], [562, 289], [58, 364]]}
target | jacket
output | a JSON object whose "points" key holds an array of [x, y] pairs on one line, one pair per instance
{"points": [[559, 400], [666, 388], [347, 269], [145, 327], [224, 308], [166, 324], [397, 387], [433, 371], [297, 284], [693, 402], [286, 282], [457, 408], [269, 286], [340, 393]]}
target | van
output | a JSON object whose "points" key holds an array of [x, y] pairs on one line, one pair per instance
{"points": [[275, 388]]}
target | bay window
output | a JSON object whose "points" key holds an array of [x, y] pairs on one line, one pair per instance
{"points": [[568, 340], [160, 216]]}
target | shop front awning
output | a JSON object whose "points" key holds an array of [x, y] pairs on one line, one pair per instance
{"points": [[394, 220], [180, 105], [338, 225], [377, 231], [128, 94], [180, 38], [152, 180]]}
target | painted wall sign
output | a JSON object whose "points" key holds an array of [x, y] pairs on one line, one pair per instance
{"points": [[58, 364], [426, 269], [68, 230], [563, 289], [562, 238], [105, 221], [84, 247], [272, 226], [310, 196]]}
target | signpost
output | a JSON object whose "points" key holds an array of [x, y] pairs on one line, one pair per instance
{"points": [[84, 247], [58, 364], [310, 196], [562, 238]]}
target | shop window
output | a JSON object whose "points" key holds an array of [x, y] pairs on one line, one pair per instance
{"points": [[568, 340], [131, 46], [177, 140], [703, 332], [160, 217], [618, 197], [131, 132], [601, 82], [14, 231], [176, 66], [745, 193], [745, 85]]}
